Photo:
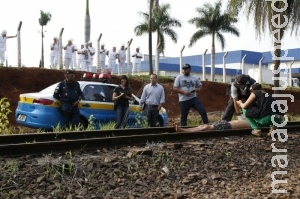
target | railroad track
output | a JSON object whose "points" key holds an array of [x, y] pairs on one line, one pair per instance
{"points": [[37, 143]]}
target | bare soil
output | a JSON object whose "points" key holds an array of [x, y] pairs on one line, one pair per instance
{"points": [[15, 81]]}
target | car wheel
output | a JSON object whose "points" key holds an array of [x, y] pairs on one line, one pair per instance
{"points": [[159, 122], [83, 122]]}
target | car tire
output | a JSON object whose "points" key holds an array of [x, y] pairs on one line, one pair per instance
{"points": [[159, 122], [83, 122]]}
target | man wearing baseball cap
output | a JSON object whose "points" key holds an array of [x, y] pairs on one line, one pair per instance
{"points": [[187, 87], [3, 38], [69, 93]]}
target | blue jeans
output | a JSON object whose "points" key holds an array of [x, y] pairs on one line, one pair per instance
{"points": [[196, 104], [122, 116]]}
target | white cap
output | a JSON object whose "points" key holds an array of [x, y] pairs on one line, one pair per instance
{"points": [[83, 44], [123, 45], [114, 46], [71, 40], [138, 47], [3, 32], [102, 44], [90, 42], [55, 37]]}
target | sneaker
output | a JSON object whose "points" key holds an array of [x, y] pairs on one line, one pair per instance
{"points": [[256, 132], [272, 128]]}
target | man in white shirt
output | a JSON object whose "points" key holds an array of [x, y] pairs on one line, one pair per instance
{"points": [[103, 53], [69, 49], [137, 61], [74, 62], [92, 52], [54, 53], [112, 56], [80, 56], [86, 58], [121, 56], [3, 38]]}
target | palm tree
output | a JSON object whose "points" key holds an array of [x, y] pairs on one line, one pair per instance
{"points": [[162, 24], [43, 20], [87, 23], [266, 15], [212, 22]]}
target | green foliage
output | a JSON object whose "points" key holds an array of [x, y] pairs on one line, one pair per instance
{"points": [[141, 120], [4, 111], [108, 126]]}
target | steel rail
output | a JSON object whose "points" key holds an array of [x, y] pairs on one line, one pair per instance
{"points": [[56, 136], [91, 143]]}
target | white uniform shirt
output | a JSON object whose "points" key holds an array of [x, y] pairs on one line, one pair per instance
{"points": [[137, 60], [80, 56], [69, 51], [112, 56], [103, 54], [122, 54], [86, 56], [75, 49], [55, 49], [93, 50], [2, 43]]}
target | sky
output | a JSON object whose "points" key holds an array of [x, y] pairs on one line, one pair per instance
{"points": [[116, 20]]}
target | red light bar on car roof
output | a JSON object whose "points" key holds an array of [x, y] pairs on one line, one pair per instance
{"points": [[102, 77]]}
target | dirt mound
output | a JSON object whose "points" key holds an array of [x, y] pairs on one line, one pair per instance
{"points": [[15, 81]]}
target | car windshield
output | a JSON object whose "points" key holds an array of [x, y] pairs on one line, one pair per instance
{"points": [[49, 89]]}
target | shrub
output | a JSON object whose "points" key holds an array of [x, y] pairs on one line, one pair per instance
{"points": [[4, 111]]}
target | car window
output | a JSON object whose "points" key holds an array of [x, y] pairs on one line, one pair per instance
{"points": [[49, 89], [111, 90], [99, 93]]}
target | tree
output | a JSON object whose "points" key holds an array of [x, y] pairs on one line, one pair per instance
{"points": [[87, 23], [162, 24], [275, 16], [211, 22], [43, 20]]}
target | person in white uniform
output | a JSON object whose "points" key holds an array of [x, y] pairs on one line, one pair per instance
{"points": [[112, 57], [92, 53], [121, 56], [103, 53], [74, 62], [86, 58], [54, 53], [3, 38], [80, 56], [69, 49], [137, 61]]}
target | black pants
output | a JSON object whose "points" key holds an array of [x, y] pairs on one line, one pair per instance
{"points": [[152, 114], [196, 104], [229, 111]]}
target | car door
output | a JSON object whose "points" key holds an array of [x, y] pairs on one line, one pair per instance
{"points": [[97, 102]]}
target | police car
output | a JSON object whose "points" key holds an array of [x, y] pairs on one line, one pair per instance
{"points": [[41, 111]]}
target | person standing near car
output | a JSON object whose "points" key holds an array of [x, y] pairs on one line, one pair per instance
{"points": [[187, 87], [121, 96], [69, 93], [153, 97]]}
